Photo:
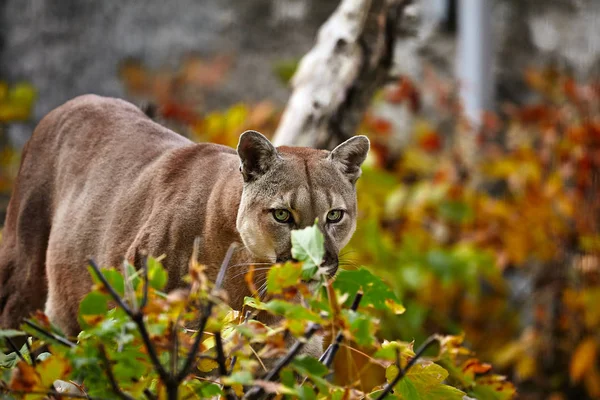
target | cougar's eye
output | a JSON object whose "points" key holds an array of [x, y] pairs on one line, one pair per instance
{"points": [[283, 216], [334, 216]]}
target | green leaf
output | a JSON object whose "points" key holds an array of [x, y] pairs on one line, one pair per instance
{"points": [[424, 381], [309, 365], [376, 293], [9, 333], [94, 303], [284, 308], [361, 327], [287, 377], [388, 351], [306, 393], [308, 245], [239, 377], [157, 275], [283, 276], [313, 369], [133, 275], [211, 390], [112, 276]]}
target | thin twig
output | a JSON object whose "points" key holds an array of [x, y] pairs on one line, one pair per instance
{"points": [[14, 348], [189, 362], [402, 372], [59, 339], [229, 394], [138, 318], [328, 356], [111, 377], [149, 395], [145, 283], [256, 391], [175, 352], [31, 355], [234, 358], [113, 293]]}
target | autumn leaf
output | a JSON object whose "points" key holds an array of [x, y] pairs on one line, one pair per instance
{"points": [[583, 358]]}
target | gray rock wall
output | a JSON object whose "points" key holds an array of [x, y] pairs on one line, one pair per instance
{"points": [[71, 47]]}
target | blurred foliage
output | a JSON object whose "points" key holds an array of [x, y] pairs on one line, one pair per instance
{"points": [[111, 357], [16, 104], [448, 231]]}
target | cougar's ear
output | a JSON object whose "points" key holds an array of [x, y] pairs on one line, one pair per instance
{"points": [[350, 155], [256, 153]]}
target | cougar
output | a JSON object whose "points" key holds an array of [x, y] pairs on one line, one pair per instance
{"points": [[100, 179]]}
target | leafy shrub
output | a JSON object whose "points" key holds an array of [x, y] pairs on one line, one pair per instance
{"points": [[190, 344], [500, 243]]}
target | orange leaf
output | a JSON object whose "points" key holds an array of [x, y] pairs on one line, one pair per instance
{"points": [[24, 378], [583, 358]]}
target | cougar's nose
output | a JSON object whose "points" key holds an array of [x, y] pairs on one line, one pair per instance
{"points": [[284, 258], [330, 262]]}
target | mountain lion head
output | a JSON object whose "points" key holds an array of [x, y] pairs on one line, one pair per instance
{"points": [[288, 188]]}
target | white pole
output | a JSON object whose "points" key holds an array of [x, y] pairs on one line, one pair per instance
{"points": [[475, 57]]}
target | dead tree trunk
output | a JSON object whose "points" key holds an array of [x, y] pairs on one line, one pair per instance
{"points": [[336, 80]]}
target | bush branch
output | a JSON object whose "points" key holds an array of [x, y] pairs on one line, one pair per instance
{"points": [[145, 283], [206, 313], [59, 339], [111, 377], [14, 348], [403, 371], [256, 391], [229, 394], [327, 357], [138, 318]]}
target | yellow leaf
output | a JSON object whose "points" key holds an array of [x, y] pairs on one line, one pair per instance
{"points": [[583, 358], [395, 307], [207, 365], [53, 368]]}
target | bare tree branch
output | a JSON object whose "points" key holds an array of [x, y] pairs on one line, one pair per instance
{"points": [[336, 80]]}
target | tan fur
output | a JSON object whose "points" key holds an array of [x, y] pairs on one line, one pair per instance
{"points": [[100, 179]]}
